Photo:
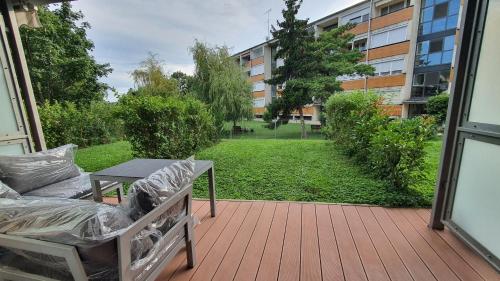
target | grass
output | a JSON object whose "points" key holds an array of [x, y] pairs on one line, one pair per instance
{"points": [[288, 131], [295, 170], [96, 158]]}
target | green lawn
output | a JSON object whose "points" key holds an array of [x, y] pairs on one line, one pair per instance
{"points": [[297, 170], [288, 131]]}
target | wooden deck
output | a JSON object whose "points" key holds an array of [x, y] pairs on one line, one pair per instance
{"points": [[294, 241]]}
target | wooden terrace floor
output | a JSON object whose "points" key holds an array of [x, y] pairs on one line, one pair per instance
{"points": [[295, 241]]}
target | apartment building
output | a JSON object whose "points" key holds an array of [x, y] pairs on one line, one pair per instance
{"points": [[410, 43]]}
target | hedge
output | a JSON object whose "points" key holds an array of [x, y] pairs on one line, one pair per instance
{"points": [[392, 150], [166, 127], [85, 125]]}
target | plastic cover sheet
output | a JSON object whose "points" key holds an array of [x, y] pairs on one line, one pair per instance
{"points": [[7, 192], [27, 172], [75, 187], [146, 194], [92, 226]]}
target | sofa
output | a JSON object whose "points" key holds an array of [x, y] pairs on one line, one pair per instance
{"points": [[69, 239], [50, 173]]}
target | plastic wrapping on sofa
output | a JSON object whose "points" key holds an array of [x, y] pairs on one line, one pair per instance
{"points": [[93, 227], [7, 192], [24, 173], [74, 188]]}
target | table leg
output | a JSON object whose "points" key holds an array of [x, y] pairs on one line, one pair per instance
{"points": [[96, 190], [119, 192], [211, 190]]}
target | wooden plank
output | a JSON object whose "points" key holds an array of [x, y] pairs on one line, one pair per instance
{"points": [[206, 241], [196, 205], [472, 258], [209, 265], [199, 232], [393, 264], [372, 264], [247, 270], [310, 263], [229, 264], [412, 261], [331, 266], [270, 263], [351, 263], [437, 266], [290, 257], [447, 254]]}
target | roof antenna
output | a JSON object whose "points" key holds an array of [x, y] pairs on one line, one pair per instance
{"points": [[268, 27]]}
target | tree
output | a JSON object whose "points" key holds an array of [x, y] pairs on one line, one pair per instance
{"points": [[437, 106], [59, 58], [292, 43], [150, 77], [311, 67], [184, 82], [221, 83]]}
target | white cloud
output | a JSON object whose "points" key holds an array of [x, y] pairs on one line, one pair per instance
{"points": [[124, 31]]}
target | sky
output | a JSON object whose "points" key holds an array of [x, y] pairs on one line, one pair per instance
{"points": [[124, 31]]}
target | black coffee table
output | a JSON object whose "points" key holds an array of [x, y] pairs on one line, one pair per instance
{"points": [[136, 169]]}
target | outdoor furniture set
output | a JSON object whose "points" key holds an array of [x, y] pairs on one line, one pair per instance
{"points": [[49, 230]]}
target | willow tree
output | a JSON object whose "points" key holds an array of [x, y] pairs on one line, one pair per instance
{"points": [[221, 83], [150, 77]]}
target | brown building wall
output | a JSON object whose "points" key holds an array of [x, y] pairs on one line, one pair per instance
{"points": [[392, 18], [256, 78], [388, 51], [383, 21], [257, 61], [259, 94], [392, 109], [375, 82], [259, 110]]}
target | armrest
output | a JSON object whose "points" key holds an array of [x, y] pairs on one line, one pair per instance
{"points": [[125, 238], [69, 253]]}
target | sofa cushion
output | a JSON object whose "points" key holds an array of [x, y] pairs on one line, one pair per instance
{"points": [[24, 173], [69, 188]]}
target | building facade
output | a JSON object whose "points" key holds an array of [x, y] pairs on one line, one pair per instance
{"points": [[410, 43]]}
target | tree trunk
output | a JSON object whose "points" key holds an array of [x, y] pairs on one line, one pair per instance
{"points": [[302, 123]]}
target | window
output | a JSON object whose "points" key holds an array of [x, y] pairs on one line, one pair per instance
{"points": [[256, 70], [438, 15], [430, 83], [259, 102], [330, 27], [388, 37], [258, 86], [392, 8], [365, 17], [355, 20], [256, 53], [440, 11], [388, 67], [360, 45], [435, 52]]}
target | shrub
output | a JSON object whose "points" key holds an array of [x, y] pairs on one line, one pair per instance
{"points": [[86, 125], [392, 149], [352, 119], [397, 150], [437, 106], [166, 127]]}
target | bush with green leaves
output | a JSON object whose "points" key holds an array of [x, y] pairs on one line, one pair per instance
{"points": [[86, 125], [166, 126], [397, 150], [437, 106], [352, 119], [392, 149]]}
